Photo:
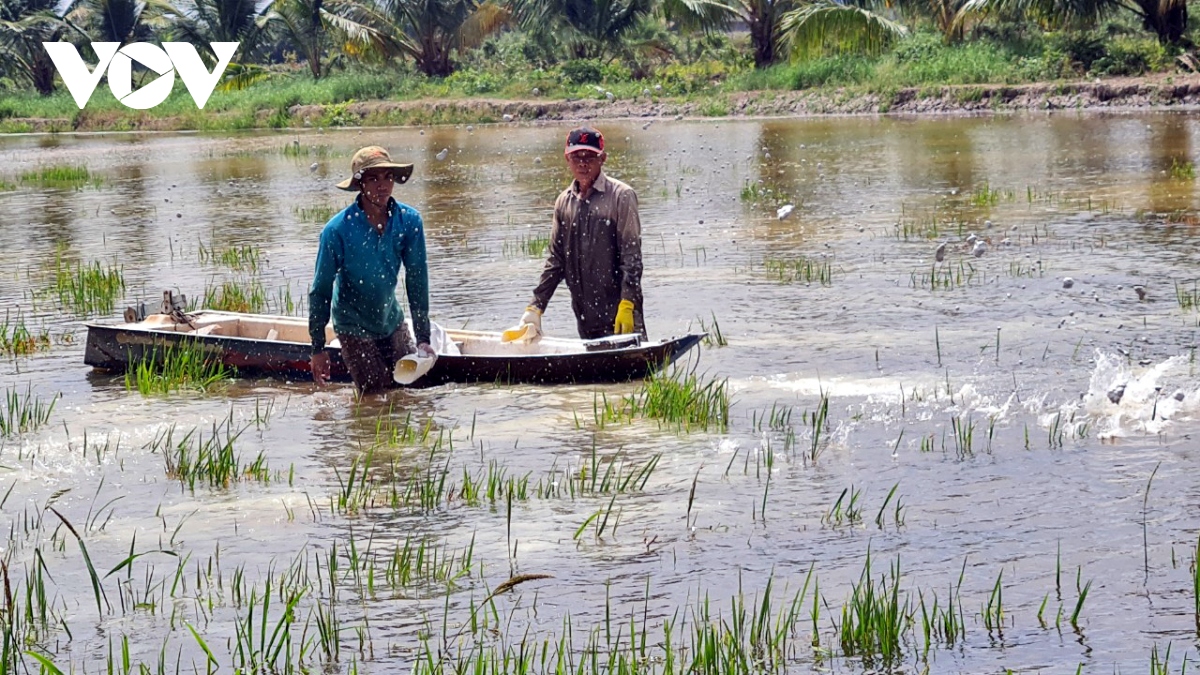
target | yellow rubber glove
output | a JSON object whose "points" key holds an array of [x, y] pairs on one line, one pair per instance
{"points": [[529, 327], [624, 322]]}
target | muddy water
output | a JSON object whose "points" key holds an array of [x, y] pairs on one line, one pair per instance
{"points": [[976, 387]]}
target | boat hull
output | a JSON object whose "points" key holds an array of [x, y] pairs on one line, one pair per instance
{"points": [[116, 347]]}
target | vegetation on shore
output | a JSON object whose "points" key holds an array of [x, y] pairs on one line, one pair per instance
{"points": [[432, 62]]}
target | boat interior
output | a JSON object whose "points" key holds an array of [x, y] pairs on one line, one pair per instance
{"points": [[295, 330]]}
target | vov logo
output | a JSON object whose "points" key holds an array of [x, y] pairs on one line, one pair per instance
{"points": [[118, 61]]}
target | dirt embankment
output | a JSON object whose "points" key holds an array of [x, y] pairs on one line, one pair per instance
{"points": [[1097, 94], [1125, 93]]}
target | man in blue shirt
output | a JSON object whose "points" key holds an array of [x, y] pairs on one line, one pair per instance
{"points": [[358, 265]]}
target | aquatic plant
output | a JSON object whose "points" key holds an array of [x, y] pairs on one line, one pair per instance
{"points": [[1195, 570], [283, 303], [681, 398], [1184, 170], [491, 486], [298, 149], [943, 277], [804, 270], [1162, 665], [712, 333], [532, 245], [595, 477], [197, 458], [1080, 599], [318, 213], [963, 435], [985, 195], [60, 176], [769, 194], [924, 226], [17, 340], [993, 611], [818, 424], [944, 624], [599, 521], [417, 561], [897, 510], [24, 412], [240, 258], [874, 620], [175, 367], [849, 512], [393, 430], [756, 634], [1033, 269], [90, 288], [778, 418], [1188, 299], [235, 296]]}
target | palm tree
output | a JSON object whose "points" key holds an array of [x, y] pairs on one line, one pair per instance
{"points": [[588, 28], [763, 18], [303, 23], [845, 27], [120, 21], [240, 21], [1167, 19], [428, 31], [24, 26]]}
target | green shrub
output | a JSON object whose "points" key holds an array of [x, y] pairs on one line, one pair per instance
{"points": [[582, 71], [833, 70], [935, 63], [1078, 48], [775, 77], [680, 78], [362, 87], [470, 82], [918, 47], [1129, 56], [615, 72], [336, 115]]}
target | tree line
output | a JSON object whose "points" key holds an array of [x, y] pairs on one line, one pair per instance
{"points": [[431, 35]]}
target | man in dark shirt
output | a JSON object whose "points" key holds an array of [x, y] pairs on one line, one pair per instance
{"points": [[595, 246]]}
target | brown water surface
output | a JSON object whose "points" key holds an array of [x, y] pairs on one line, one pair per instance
{"points": [[977, 387]]}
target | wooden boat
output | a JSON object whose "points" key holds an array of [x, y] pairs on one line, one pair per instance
{"points": [[263, 345]]}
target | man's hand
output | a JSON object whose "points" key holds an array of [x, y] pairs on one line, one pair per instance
{"points": [[425, 351], [624, 321], [529, 327], [320, 367]]}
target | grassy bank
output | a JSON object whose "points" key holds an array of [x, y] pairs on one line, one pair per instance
{"points": [[490, 86]]}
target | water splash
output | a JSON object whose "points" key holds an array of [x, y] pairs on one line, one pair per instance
{"points": [[1128, 400]]}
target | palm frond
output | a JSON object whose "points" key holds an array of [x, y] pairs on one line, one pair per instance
{"points": [[368, 32], [829, 24], [487, 18], [239, 76], [703, 15]]}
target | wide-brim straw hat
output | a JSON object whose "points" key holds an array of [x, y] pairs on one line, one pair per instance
{"points": [[373, 157]]}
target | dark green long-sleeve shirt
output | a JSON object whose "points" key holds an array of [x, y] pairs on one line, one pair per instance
{"points": [[356, 274]]}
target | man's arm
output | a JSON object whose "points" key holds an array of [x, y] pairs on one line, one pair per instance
{"points": [[629, 236], [552, 272], [320, 293], [416, 275]]}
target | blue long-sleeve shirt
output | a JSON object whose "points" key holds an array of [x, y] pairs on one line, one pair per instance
{"points": [[357, 270]]}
